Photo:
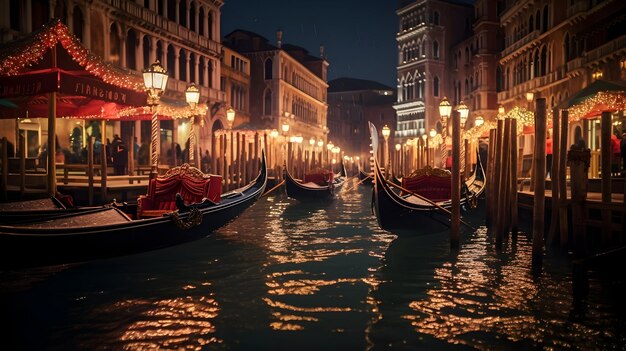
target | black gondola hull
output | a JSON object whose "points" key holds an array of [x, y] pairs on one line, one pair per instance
{"points": [[42, 244], [296, 190]]}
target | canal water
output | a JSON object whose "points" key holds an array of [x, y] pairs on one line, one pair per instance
{"points": [[297, 276]]}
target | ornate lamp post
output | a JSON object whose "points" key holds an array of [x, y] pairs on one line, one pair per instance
{"points": [[444, 112], [433, 133], [479, 121], [386, 132], [529, 98], [230, 117], [155, 80], [192, 95]]}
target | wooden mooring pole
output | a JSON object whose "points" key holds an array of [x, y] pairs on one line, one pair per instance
{"points": [[606, 154], [539, 173], [455, 226], [578, 159], [513, 178], [563, 226]]}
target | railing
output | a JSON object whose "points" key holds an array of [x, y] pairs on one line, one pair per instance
{"points": [[151, 17], [606, 49], [521, 42]]}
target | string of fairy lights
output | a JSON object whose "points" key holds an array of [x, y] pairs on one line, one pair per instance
{"points": [[31, 50]]}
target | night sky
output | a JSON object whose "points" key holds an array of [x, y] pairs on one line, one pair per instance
{"points": [[358, 35]]}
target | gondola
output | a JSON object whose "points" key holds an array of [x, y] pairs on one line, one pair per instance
{"points": [[109, 231], [410, 215], [298, 190], [50, 207], [365, 178]]}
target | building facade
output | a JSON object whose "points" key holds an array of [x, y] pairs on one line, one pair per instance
{"points": [[428, 29], [352, 103], [554, 49], [183, 35], [287, 86]]}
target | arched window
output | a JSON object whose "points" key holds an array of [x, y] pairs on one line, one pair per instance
{"points": [[160, 53], [192, 15], [160, 7], [182, 65], [467, 55], [544, 26], [530, 24], [201, 21], [544, 61], [171, 10], [267, 103], [79, 22], [209, 64], [40, 13], [171, 61], [436, 86], [538, 20], [114, 44], [210, 24], [146, 4], [131, 54], [268, 69], [192, 68], [435, 49], [466, 87], [15, 16], [146, 51], [60, 11], [182, 13], [201, 70]]}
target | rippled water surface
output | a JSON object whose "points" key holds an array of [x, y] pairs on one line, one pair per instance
{"points": [[297, 276]]}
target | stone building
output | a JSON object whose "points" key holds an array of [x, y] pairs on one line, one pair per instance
{"points": [[352, 103], [287, 86], [428, 30], [183, 35]]}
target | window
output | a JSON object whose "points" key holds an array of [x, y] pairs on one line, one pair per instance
{"points": [[435, 49], [436, 18], [436, 86], [268, 68]]}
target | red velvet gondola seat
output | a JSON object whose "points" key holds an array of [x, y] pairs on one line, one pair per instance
{"points": [[188, 181], [319, 176], [432, 183]]}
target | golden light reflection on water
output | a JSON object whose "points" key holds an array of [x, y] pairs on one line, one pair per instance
{"points": [[184, 323], [480, 293], [305, 236]]}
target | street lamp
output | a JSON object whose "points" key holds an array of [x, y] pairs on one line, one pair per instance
{"points": [[192, 95], [479, 121], [155, 80], [463, 112], [529, 98], [444, 112], [230, 117]]}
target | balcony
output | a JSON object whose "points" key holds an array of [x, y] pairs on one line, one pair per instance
{"points": [[605, 50], [520, 43], [149, 16], [579, 8]]}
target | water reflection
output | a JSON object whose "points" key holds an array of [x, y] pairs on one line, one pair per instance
{"points": [[312, 276], [478, 298], [315, 249]]}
